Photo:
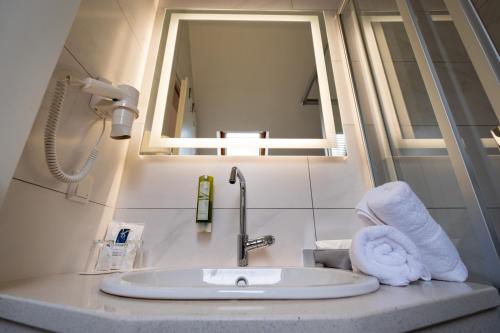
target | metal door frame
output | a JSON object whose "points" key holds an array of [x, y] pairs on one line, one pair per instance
{"points": [[462, 165]]}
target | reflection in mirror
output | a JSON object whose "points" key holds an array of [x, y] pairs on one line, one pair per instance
{"points": [[247, 79]]}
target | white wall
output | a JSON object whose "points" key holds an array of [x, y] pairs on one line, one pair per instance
{"points": [[41, 232], [245, 81], [252, 4], [32, 34], [297, 199]]}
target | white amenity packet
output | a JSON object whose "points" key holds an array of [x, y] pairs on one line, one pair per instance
{"points": [[121, 254]]}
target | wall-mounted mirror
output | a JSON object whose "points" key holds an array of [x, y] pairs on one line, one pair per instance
{"points": [[243, 84]]}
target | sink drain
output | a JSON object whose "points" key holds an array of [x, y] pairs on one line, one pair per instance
{"points": [[241, 282]]}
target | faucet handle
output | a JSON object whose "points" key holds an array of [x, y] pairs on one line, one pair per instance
{"points": [[269, 239], [232, 176], [259, 242]]}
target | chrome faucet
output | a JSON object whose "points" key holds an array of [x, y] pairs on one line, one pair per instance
{"points": [[244, 244]]}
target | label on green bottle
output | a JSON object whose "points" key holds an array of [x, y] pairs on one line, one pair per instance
{"points": [[203, 201]]}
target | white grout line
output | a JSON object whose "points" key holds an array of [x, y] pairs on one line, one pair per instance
{"points": [[58, 191]]}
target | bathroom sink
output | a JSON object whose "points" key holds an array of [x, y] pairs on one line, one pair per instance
{"points": [[240, 283]]}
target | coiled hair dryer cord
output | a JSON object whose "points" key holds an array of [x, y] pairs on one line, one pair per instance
{"points": [[50, 139]]}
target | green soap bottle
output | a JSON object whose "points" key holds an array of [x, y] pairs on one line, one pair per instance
{"points": [[205, 203]]}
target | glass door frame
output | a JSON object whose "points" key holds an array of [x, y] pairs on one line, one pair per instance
{"points": [[481, 222], [389, 90], [460, 160]]}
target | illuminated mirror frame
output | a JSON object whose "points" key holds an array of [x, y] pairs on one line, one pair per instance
{"points": [[159, 142]]}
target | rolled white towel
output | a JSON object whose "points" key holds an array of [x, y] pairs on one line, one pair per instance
{"points": [[387, 254], [364, 212], [395, 204]]}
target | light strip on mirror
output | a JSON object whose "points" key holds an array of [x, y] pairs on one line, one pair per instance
{"points": [[156, 139], [242, 143]]}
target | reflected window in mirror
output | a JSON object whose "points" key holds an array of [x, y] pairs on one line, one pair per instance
{"points": [[243, 151]]}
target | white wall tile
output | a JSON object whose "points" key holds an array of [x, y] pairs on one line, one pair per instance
{"points": [[227, 4], [172, 181], [171, 240], [47, 233], [390, 5], [316, 4], [32, 35], [293, 230], [43, 233], [97, 23], [139, 14], [78, 132], [336, 223], [103, 42], [379, 5], [339, 184]]}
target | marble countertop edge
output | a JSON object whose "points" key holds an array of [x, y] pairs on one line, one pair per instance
{"points": [[385, 310]]}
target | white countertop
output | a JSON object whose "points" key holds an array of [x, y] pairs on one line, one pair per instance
{"points": [[73, 303]]}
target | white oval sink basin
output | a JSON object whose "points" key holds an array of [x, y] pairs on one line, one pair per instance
{"points": [[240, 283]]}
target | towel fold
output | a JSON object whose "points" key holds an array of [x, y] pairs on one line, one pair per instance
{"points": [[395, 204], [364, 212], [387, 254]]}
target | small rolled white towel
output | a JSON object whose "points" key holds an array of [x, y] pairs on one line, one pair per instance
{"points": [[387, 254], [395, 204]]}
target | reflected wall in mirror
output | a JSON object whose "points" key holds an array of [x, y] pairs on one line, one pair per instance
{"points": [[241, 79]]}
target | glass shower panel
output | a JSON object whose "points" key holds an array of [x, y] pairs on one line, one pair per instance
{"points": [[414, 115], [489, 13], [471, 109], [417, 149], [380, 156], [407, 110]]}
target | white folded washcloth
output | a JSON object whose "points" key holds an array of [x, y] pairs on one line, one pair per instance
{"points": [[335, 244], [395, 204], [386, 253]]}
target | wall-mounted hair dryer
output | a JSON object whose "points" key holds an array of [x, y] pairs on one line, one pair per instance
{"points": [[119, 103]]}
